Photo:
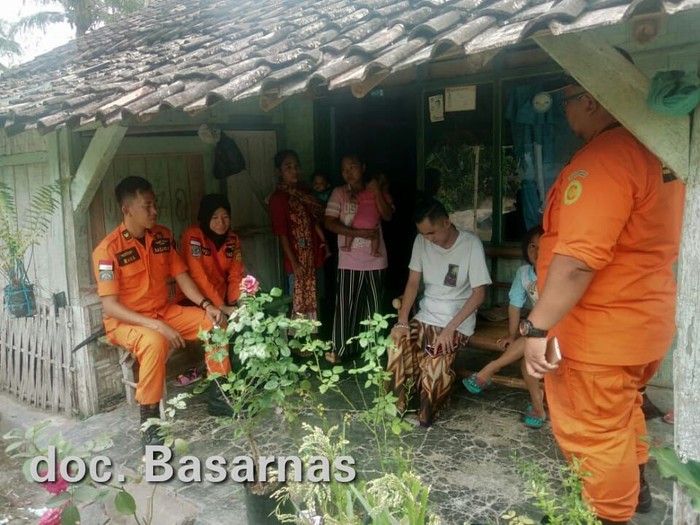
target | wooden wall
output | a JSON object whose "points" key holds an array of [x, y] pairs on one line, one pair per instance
{"points": [[24, 166]]}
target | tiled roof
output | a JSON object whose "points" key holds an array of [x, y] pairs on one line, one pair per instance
{"points": [[190, 55]]}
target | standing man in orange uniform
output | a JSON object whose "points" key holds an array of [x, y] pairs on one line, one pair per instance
{"points": [[212, 253], [608, 294], [132, 265]]}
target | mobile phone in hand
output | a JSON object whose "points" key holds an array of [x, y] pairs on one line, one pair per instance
{"points": [[552, 353]]}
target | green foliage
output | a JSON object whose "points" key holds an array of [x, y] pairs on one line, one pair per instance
{"points": [[28, 444], [83, 15], [456, 162], [397, 497], [559, 499], [18, 236], [262, 338], [685, 474]]}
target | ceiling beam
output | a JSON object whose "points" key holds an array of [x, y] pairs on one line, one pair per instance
{"points": [[92, 169], [622, 89]]}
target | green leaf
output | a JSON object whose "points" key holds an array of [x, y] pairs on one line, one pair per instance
{"points": [[338, 369], [58, 500], [125, 504], [85, 494], [276, 292], [181, 446], [70, 515], [272, 384]]}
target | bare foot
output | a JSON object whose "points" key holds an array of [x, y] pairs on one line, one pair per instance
{"points": [[332, 358]]}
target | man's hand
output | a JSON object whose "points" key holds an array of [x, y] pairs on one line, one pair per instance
{"points": [[398, 333], [444, 342], [173, 336], [535, 361], [214, 314]]}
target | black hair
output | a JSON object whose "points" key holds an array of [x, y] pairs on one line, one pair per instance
{"points": [[130, 187], [431, 209], [283, 154], [527, 238], [352, 155]]}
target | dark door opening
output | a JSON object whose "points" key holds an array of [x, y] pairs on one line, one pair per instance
{"points": [[381, 128]]}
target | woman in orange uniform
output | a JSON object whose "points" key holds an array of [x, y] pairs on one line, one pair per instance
{"points": [[212, 253]]}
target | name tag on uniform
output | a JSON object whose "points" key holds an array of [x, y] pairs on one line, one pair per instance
{"points": [[160, 246], [128, 256]]}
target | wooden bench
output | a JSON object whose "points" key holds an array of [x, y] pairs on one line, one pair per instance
{"points": [[127, 361], [488, 332]]}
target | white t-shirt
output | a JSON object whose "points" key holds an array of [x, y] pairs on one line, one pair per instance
{"points": [[449, 275]]}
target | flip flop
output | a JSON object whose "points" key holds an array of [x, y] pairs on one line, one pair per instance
{"points": [[532, 420], [476, 385], [190, 376]]}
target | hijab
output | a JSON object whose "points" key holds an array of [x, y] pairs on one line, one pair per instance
{"points": [[209, 204]]}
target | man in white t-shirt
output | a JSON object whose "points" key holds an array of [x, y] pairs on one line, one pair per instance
{"points": [[452, 265]]}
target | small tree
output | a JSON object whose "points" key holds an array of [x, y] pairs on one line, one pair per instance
{"points": [[17, 236]]}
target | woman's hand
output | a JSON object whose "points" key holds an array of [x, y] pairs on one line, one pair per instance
{"points": [[214, 314], [367, 234], [227, 310]]}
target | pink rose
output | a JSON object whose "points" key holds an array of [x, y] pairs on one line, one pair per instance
{"points": [[55, 487], [51, 517], [250, 285]]}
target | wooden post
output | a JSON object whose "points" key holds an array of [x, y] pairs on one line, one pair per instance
{"points": [[77, 258], [622, 89], [686, 360], [97, 158]]}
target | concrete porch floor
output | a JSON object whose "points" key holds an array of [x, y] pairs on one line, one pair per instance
{"points": [[467, 457]]}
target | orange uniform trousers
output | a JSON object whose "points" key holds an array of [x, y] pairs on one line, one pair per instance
{"points": [[596, 413], [151, 348]]}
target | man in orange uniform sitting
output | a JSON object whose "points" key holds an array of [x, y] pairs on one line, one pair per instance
{"points": [[132, 265], [608, 294]]}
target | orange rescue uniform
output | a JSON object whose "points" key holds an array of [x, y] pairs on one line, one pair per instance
{"points": [[138, 274], [612, 208], [217, 273]]}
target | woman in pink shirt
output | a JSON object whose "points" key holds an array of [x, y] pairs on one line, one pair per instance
{"points": [[361, 268]]}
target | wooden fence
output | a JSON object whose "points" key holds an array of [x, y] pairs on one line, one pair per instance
{"points": [[36, 364]]}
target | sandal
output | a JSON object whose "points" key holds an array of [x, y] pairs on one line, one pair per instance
{"points": [[668, 417], [532, 420], [190, 376], [332, 358], [476, 385]]}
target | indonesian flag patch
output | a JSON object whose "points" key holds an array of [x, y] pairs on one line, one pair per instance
{"points": [[106, 270], [195, 247]]}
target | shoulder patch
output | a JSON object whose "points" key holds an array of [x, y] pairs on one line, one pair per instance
{"points": [[195, 247], [229, 251], [161, 245], [573, 191], [578, 174], [128, 256]]}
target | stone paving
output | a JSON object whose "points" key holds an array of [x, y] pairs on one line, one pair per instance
{"points": [[467, 457]]}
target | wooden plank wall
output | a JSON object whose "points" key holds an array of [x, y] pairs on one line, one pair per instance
{"points": [[46, 261], [36, 364], [248, 192]]}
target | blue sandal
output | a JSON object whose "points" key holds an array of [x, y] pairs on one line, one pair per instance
{"points": [[532, 420], [476, 385]]}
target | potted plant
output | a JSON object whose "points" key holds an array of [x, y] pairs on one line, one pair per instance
{"points": [[264, 375], [16, 240]]}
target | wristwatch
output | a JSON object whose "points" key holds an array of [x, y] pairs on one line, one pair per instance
{"points": [[527, 329]]}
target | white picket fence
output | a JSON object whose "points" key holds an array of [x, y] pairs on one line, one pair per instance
{"points": [[36, 364]]}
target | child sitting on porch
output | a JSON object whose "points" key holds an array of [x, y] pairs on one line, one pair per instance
{"points": [[524, 285], [367, 216]]}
